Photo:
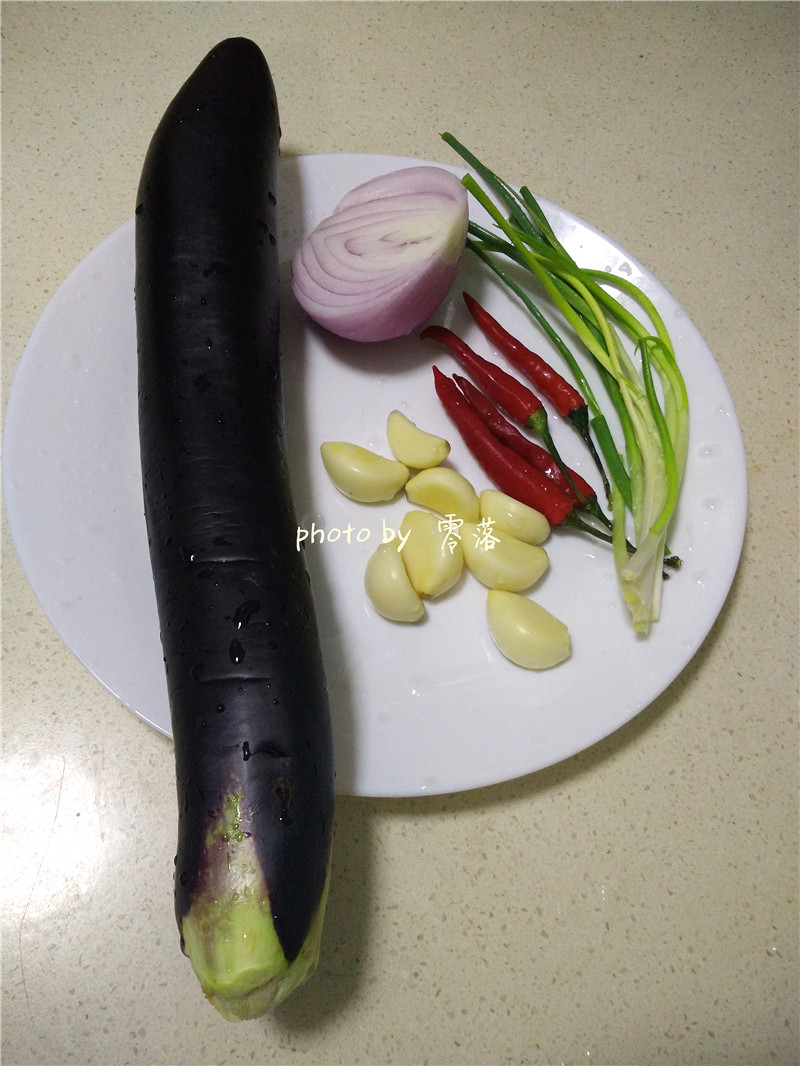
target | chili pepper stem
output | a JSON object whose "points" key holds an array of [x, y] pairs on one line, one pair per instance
{"points": [[592, 507], [579, 418], [574, 521], [537, 421]]}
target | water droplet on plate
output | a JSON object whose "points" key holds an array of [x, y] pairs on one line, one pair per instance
{"points": [[312, 518]]}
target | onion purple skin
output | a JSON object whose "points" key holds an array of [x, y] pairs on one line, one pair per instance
{"points": [[382, 263]]}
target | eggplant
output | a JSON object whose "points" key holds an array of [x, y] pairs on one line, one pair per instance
{"points": [[245, 676]]}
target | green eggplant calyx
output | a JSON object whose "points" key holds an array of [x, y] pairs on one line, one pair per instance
{"points": [[229, 934]]}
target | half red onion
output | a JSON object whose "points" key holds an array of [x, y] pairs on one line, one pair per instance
{"points": [[380, 265]]}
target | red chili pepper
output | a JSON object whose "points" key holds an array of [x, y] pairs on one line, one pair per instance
{"points": [[563, 396], [504, 389], [532, 452], [566, 399], [511, 395], [503, 466]]}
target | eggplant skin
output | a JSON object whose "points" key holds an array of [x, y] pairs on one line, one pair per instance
{"points": [[248, 697]]}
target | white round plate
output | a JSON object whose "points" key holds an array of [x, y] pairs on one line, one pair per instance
{"points": [[429, 708]]}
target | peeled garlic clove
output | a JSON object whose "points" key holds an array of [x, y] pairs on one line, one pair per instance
{"points": [[389, 588], [363, 475], [525, 632], [431, 552], [499, 560], [445, 491], [414, 446], [516, 518]]}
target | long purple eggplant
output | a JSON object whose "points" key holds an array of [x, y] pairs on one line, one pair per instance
{"points": [[248, 697]]}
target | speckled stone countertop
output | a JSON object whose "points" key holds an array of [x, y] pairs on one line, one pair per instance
{"points": [[633, 904]]}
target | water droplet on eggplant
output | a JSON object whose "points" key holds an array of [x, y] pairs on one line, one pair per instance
{"points": [[244, 612]]}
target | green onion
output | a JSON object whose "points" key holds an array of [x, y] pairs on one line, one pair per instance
{"points": [[648, 393]]}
